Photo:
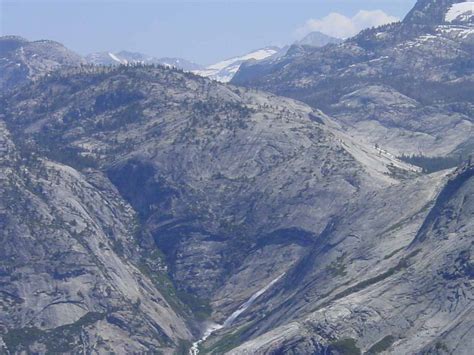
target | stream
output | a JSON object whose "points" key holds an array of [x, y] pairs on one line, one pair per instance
{"points": [[212, 327]]}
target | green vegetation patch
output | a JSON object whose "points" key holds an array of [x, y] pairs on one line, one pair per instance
{"points": [[345, 346], [183, 347], [165, 286], [402, 264], [200, 307], [337, 267], [432, 164], [440, 346], [388, 256], [227, 342], [58, 340], [381, 345], [181, 301]]}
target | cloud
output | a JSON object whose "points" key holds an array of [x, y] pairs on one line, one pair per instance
{"points": [[340, 26]]}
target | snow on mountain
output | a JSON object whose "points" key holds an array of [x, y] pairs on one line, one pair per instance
{"points": [[126, 57], [104, 58], [224, 71], [461, 12], [115, 58]]}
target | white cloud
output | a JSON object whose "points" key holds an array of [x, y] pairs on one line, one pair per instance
{"points": [[338, 25]]}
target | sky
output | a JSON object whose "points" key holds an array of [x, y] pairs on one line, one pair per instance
{"points": [[204, 31]]}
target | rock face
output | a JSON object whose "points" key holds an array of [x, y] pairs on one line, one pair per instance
{"points": [[72, 278], [141, 205], [404, 83], [231, 184], [417, 298], [22, 60], [177, 146], [430, 12], [238, 187]]}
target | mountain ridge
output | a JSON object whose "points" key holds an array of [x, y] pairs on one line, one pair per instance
{"points": [[126, 57], [22, 60], [148, 209], [372, 70], [141, 125]]}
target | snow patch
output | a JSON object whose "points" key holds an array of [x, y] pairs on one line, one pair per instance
{"points": [[463, 12], [117, 59], [224, 71], [456, 32], [257, 55]]}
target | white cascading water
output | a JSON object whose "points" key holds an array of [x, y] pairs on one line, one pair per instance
{"points": [[212, 327]]}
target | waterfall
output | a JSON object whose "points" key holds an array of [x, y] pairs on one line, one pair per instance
{"points": [[212, 327]]}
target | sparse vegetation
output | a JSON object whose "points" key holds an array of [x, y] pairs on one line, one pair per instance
{"points": [[441, 347], [346, 346], [183, 347], [337, 267], [227, 342], [402, 264], [200, 307], [384, 344], [396, 251], [205, 171], [432, 164], [58, 340]]}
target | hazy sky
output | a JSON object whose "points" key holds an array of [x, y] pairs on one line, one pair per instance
{"points": [[203, 31]]}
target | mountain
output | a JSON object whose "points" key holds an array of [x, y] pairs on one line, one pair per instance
{"points": [[317, 39], [430, 12], [224, 71], [266, 216], [145, 209], [150, 173], [126, 57], [406, 87], [22, 60], [391, 294], [71, 276]]}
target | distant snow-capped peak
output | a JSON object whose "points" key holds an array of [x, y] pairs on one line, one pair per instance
{"points": [[225, 70]]}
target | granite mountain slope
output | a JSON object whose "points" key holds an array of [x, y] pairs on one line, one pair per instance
{"points": [[149, 177], [192, 144], [381, 279], [409, 84], [231, 184], [22, 60], [71, 271]]}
